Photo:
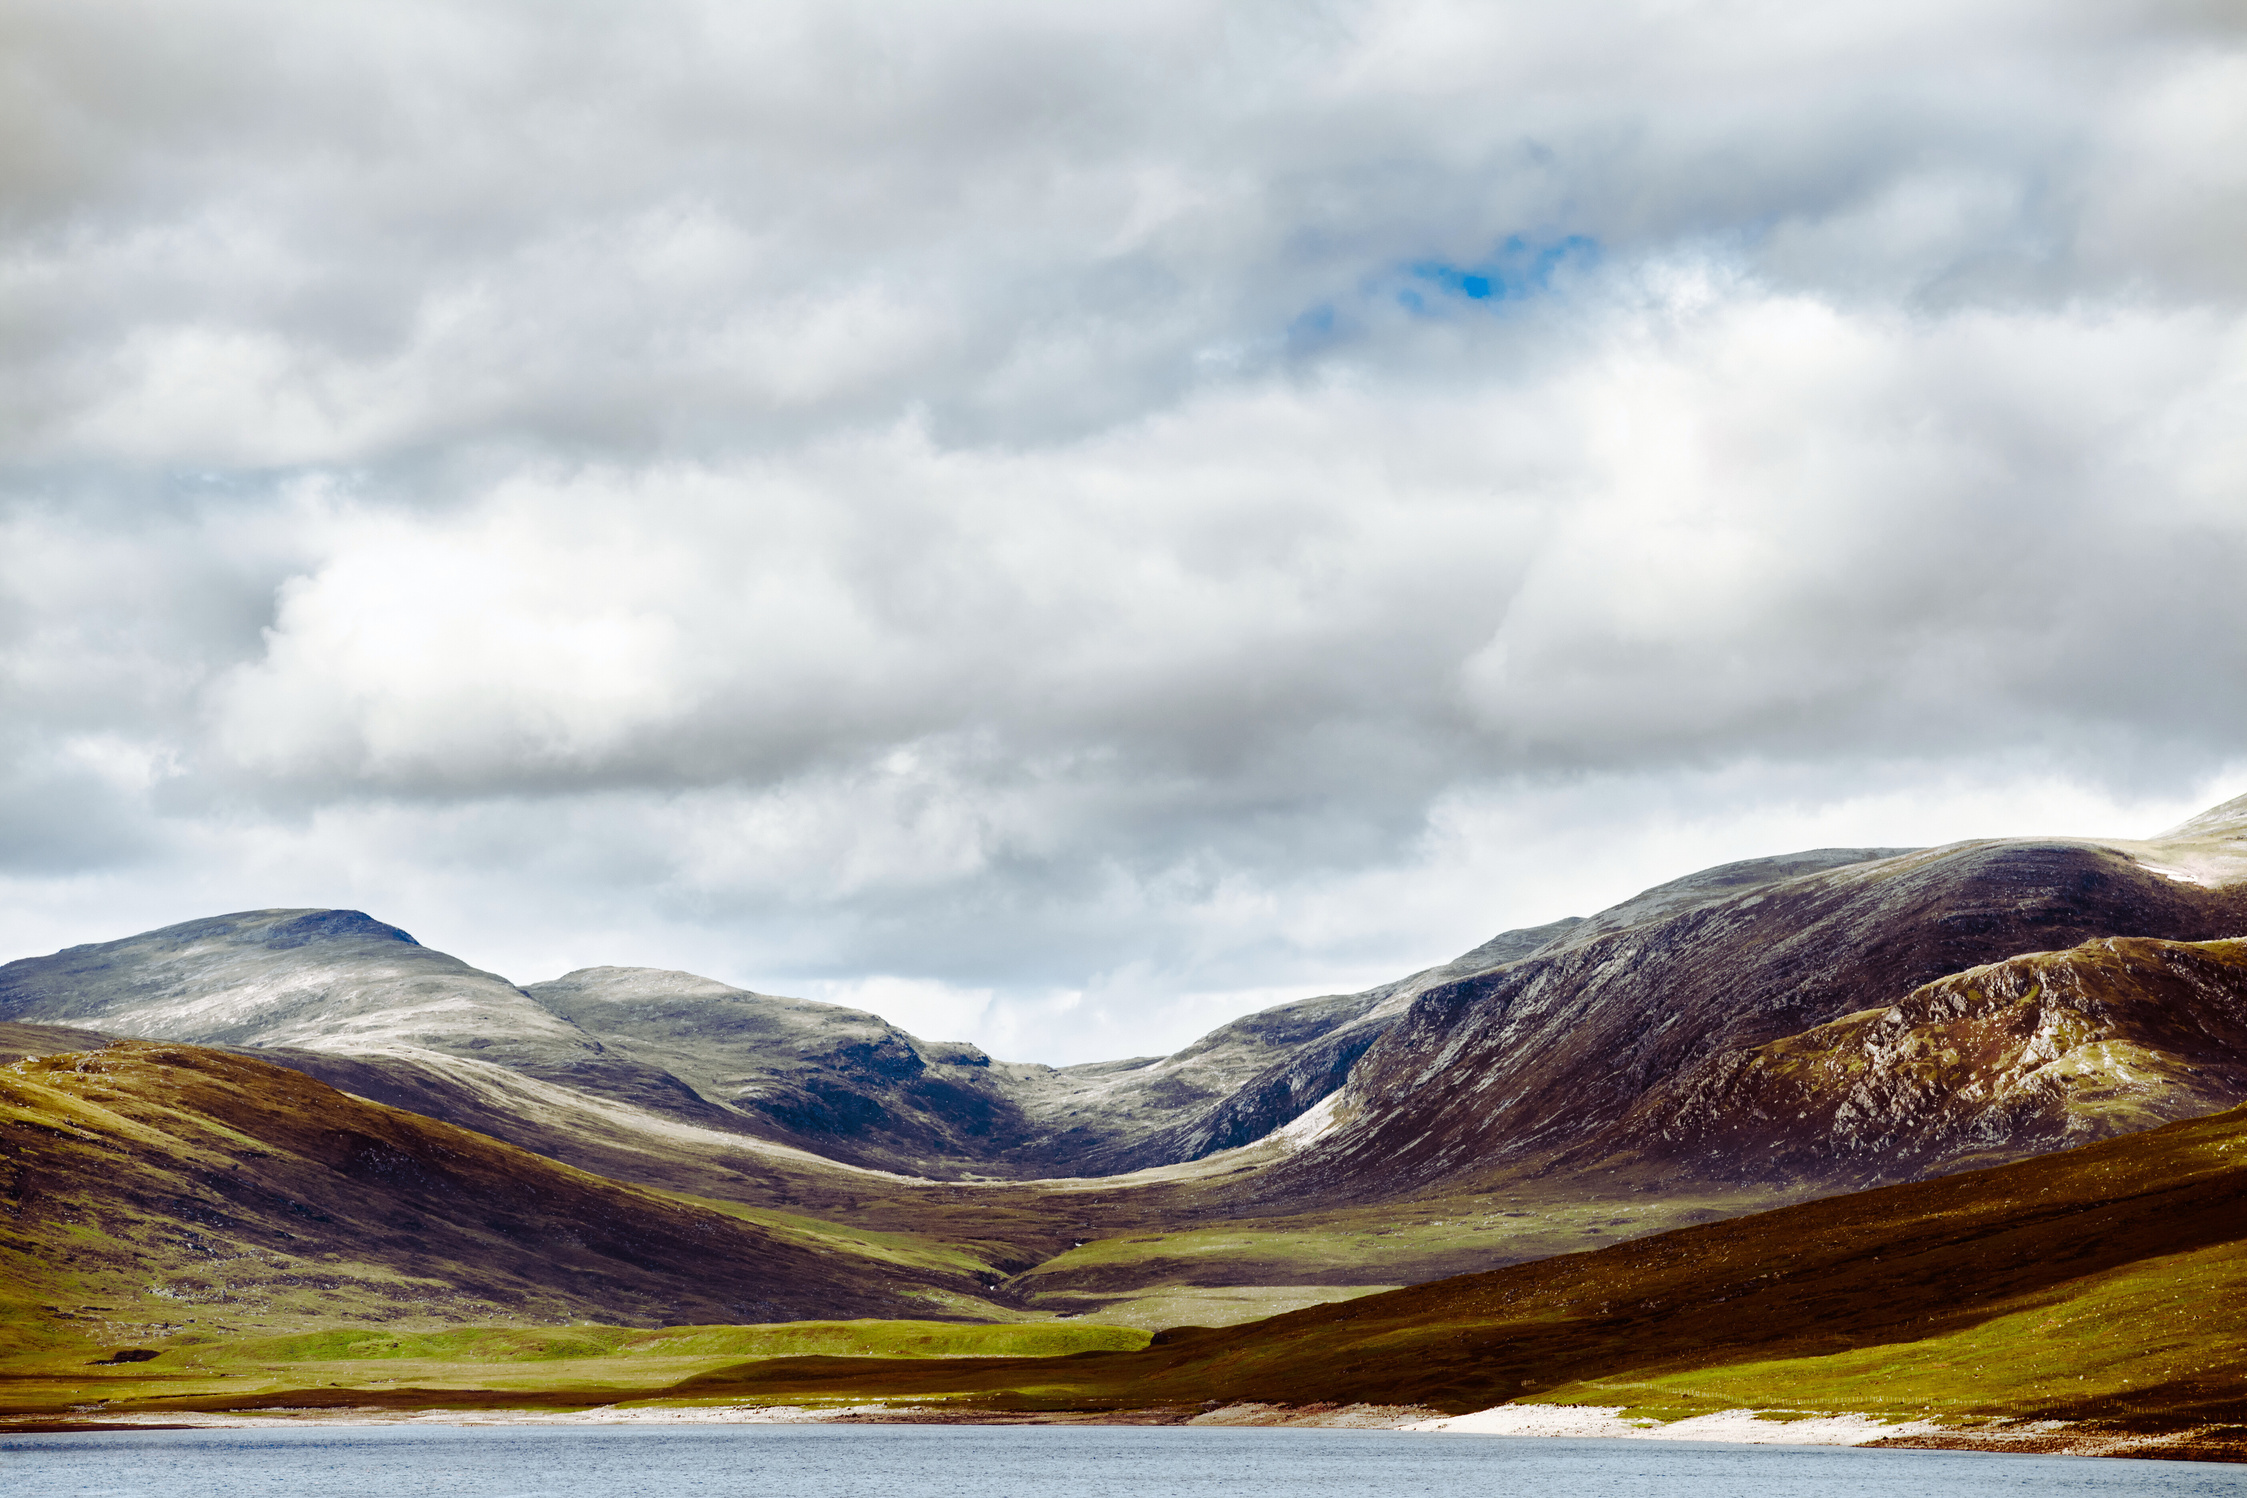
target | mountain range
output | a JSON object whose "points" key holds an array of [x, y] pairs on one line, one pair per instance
{"points": [[1749, 1035]]}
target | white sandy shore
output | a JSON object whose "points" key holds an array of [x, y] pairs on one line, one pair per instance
{"points": [[1577, 1422], [1744, 1427]]}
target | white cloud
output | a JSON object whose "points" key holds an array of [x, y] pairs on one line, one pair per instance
{"points": [[1084, 519]]}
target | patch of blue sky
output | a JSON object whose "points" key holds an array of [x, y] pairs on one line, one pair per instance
{"points": [[1517, 270]]}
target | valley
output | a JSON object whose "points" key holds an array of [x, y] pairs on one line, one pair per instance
{"points": [[2104, 1284], [254, 1147]]}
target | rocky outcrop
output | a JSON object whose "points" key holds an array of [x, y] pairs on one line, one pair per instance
{"points": [[2039, 1052]]}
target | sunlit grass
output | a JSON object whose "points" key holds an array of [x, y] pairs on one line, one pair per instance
{"points": [[1395, 1243], [2179, 1318], [522, 1359]]}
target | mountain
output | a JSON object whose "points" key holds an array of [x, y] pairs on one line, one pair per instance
{"points": [[320, 979], [362, 1004], [1630, 1041], [146, 1179], [324, 1124], [1759, 1032]]}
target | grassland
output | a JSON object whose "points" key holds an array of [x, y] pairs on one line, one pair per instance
{"points": [[148, 1190], [2137, 1339], [529, 1365], [1386, 1244]]}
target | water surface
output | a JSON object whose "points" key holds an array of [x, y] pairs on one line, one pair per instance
{"points": [[920, 1461]]}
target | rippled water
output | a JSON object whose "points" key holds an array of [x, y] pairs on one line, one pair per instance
{"points": [[818, 1461]]}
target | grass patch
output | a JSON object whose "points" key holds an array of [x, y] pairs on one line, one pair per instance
{"points": [[871, 1339], [530, 1361], [1200, 1305], [2173, 1320], [1392, 1244], [915, 1250]]}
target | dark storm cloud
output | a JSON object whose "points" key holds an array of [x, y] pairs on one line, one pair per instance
{"points": [[1010, 496]]}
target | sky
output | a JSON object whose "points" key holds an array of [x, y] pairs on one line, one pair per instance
{"points": [[1064, 524]]}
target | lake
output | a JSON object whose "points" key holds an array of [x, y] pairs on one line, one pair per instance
{"points": [[908, 1461]]}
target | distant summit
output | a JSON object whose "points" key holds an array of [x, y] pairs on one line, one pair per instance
{"points": [[1711, 1028]]}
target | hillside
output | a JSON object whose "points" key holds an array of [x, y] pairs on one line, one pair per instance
{"points": [[2035, 1053], [149, 1185], [1613, 1041], [1619, 1045], [356, 1001], [2106, 1283], [1752, 1034]]}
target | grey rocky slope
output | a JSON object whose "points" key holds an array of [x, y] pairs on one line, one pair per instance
{"points": [[850, 1085], [321, 979]]}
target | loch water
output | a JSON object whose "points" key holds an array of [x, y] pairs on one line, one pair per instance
{"points": [[918, 1461]]}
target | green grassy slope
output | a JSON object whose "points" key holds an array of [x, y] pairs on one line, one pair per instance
{"points": [[2155, 1335], [523, 1365], [1384, 1244]]}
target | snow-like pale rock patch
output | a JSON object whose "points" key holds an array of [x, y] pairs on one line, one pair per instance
{"points": [[1743, 1427]]}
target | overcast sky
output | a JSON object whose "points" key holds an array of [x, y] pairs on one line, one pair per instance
{"points": [[1064, 523]]}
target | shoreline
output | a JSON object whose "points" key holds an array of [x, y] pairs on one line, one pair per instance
{"points": [[1738, 1427], [2211, 1443]]}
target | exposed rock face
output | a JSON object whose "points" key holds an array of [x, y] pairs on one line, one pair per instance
{"points": [[2036, 1053]]}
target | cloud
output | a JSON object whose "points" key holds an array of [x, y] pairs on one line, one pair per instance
{"points": [[1052, 516]]}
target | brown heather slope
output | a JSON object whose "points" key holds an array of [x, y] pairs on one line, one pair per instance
{"points": [[2014, 1263], [146, 1184]]}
